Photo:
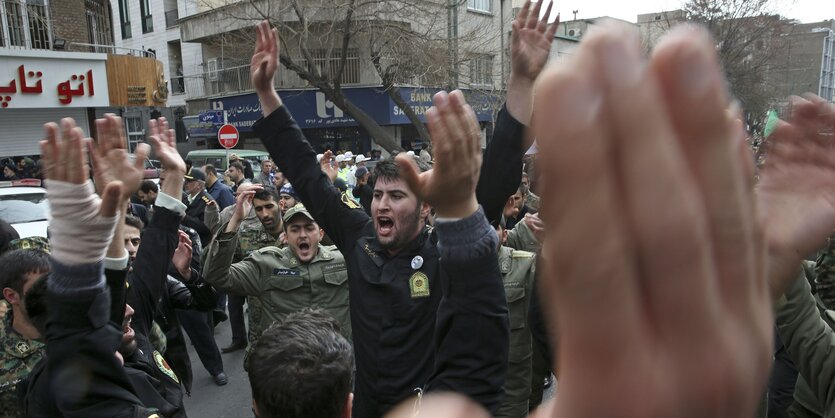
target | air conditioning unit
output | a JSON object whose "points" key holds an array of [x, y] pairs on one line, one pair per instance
{"points": [[211, 68]]}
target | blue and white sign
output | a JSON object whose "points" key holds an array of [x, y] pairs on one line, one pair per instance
{"points": [[311, 109]]}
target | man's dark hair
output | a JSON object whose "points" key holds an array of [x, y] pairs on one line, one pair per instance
{"points": [[148, 186], [210, 169], [7, 235], [301, 368], [18, 263], [238, 166], [35, 302], [264, 194], [135, 222], [389, 170]]}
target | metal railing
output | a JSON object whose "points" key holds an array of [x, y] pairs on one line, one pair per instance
{"points": [[236, 79], [171, 18], [109, 49]]}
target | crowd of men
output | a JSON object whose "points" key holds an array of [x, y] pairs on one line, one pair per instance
{"points": [[648, 273]]}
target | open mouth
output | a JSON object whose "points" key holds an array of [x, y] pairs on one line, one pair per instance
{"points": [[385, 225], [127, 330], [304, 247]]}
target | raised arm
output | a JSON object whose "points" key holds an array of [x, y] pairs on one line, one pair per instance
{"points": [[291, 151], [473, 303], [530, 45], [161, 237], [244, 277], [80, 336]]}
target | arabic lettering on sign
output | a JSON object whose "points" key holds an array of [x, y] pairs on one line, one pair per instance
{"points": [[52, 83]]}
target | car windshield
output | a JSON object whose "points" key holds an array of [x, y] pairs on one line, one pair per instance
{"points": [[21, 208]]}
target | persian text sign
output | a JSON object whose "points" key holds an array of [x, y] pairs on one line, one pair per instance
{"points": [[41, 79]]}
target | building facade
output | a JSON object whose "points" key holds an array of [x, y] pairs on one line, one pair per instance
{"points": [[468, 43], [58, 59]]}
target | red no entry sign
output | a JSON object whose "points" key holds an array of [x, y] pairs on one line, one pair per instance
{"points": [[228, 136]]}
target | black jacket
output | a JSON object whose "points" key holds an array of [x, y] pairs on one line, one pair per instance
{"points": [[453, 338]]}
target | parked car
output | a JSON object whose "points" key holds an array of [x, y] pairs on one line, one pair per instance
{"points": [[23, 204], [217, 158], [151, 170]]}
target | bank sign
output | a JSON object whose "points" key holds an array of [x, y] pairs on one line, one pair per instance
{"points": [[311, 109]]}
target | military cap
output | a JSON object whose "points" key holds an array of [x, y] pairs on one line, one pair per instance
{"points": [[35, 243], [296, 210], [195, 174]]}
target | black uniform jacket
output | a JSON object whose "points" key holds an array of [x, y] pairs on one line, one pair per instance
{"points": [[438, 326]]}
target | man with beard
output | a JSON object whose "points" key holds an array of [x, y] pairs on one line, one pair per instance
{"points": [[285, 280], [411, 300], [236, 174], [19, 338], [78, 334]]}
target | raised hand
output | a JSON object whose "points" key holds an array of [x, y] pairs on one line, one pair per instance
{"points": [[796, 191], [450, 186], [164, 140], [82, 223], [649, 213], [182, 256], [110, 158], [535, 225], [165, 147], [530, 41], [327, 167], [264, 65], [243, 204]]}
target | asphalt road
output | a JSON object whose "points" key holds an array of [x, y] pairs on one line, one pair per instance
{"points": [[211, 401]]}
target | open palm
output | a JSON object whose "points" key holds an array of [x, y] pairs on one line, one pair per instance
{"points": [[796, 192], [110, 159], [264, 63], [531, 40]]}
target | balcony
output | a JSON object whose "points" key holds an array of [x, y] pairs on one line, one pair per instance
{"points": [[171, 18], [235, 80]]}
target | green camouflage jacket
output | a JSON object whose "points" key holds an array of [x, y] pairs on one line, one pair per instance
{"points": [[20, 355]]}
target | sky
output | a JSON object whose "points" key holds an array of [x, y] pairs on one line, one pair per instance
{"points": [[803, 10]]}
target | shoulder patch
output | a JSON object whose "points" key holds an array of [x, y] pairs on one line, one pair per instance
{"points": [[347, 201], [163, 366]]}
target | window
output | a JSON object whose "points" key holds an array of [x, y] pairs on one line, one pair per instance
{"points": [[351, 73], [124, 18], [135, 132], [480, 5], [147, 18], [98, 24], [25, 23], [481, 70], [14, 23]]}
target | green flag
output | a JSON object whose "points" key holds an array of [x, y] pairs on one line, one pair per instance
{"points": [[770, 123]]}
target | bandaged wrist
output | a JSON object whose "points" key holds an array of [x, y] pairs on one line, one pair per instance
{"points": [[78, 234]]}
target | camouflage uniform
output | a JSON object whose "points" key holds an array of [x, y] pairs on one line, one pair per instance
{"points": [[518, 269], [825, 274], [20, 355]]}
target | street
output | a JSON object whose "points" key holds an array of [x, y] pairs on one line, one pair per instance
{"points": [[211, 401]]}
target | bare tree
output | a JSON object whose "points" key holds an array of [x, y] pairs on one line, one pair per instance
{"points": [[325, 43], [748, 36]]}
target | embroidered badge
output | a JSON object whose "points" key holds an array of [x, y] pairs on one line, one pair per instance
{"points": [[286, 272], [419, 285], [163, 366], [22, 347]]}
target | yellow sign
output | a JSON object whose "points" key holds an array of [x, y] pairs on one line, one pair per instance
{"points": [[419, 285]]}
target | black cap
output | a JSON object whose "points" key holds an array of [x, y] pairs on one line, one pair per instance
{"points": [[195, 174]]}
